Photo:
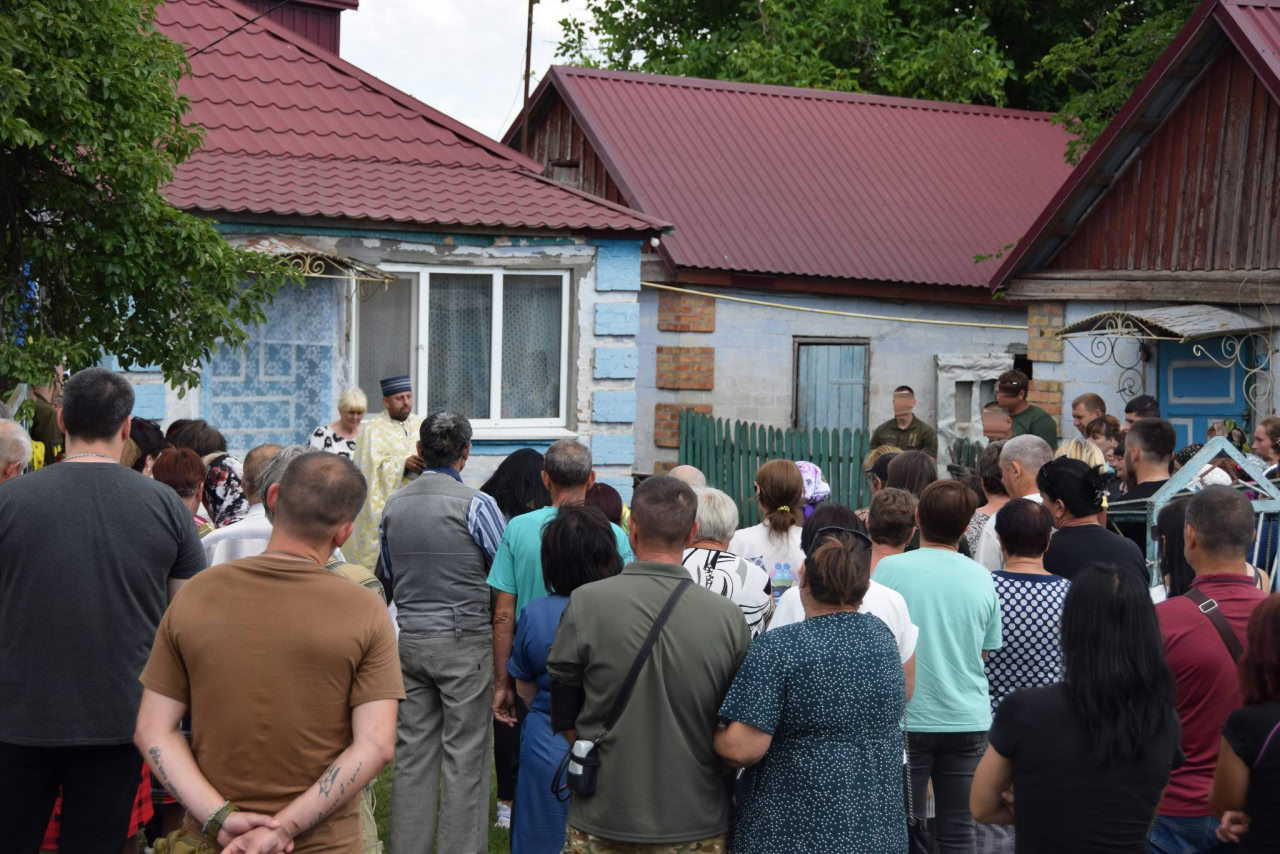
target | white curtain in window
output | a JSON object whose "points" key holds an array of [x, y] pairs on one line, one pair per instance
{"points": [[387, 337], [531, 346], [459, 343]]}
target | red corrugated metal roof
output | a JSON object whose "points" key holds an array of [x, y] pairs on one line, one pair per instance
{"points": [[1253, 28], [293, 130], [801, 182]]}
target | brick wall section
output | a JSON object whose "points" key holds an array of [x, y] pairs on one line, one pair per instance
{"points": [[1047, 394], [685, 312], [666, 422], [686, 367], [1044, 321]]}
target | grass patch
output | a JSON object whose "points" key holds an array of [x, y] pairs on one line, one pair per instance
{"points": [[499, 839]]}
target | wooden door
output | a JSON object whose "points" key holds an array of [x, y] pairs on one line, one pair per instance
{"points": [[1194, 391], [831, 385]]}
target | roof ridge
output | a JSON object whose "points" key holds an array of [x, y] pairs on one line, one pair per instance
{"points": [[800, 92], [425, 111]]}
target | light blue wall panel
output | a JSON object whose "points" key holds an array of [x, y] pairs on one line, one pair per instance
{"points": [[618, 265], [613, 406], [615, 363], [148, 401], [613, 449], [617, 318]]}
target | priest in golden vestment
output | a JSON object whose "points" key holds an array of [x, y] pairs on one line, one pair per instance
{"points": [[387, 454]]}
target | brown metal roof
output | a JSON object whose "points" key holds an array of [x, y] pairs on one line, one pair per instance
{"points": [[801, 182]]}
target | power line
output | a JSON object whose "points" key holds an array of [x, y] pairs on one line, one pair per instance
{"points": [[239, 28]]}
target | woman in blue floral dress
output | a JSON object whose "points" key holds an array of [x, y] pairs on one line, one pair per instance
{"points": [[814, 715]]}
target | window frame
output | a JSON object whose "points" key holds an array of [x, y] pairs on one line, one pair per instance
{"points": [[492, 427]]}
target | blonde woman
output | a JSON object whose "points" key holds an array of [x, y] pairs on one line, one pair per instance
{"points": [[774, 544], [1084, 451], [339, 437]]}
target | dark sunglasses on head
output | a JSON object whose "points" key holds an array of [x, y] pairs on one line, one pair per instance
{"points": [[835, 529]]}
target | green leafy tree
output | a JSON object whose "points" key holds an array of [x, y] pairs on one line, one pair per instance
{"points": [[1104, 66], [93, 260], [846, 45]]}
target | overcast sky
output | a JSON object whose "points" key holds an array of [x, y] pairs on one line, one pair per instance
{"points": [[463, 57]]}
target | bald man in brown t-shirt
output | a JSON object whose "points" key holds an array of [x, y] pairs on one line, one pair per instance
{"points": [[291, 676]]}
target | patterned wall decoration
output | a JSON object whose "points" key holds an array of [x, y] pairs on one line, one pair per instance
{"points": [[280, 386]]}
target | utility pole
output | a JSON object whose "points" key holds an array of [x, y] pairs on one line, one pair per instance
{"points": [[528, 72]]}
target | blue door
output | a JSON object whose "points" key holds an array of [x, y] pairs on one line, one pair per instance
{"points": [[1194, 391], [831, 385]]}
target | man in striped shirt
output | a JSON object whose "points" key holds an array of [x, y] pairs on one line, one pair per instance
{"points": [[438, 539]]}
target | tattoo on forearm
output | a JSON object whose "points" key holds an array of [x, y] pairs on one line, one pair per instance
{"points": [[154, 753], [328, 779], [342, 787]]}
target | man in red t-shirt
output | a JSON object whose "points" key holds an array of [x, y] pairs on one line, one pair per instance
{"points": [[1220, 529]]}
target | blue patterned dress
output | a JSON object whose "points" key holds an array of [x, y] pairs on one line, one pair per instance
{"points": [[831, 692], [1030, 653]]}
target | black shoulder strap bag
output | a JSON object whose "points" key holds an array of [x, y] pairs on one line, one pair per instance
{"points": [[582, 761], [1209, 608]]}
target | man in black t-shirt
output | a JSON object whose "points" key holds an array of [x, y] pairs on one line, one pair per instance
{"points": [[1148, 451], [79, 607]]}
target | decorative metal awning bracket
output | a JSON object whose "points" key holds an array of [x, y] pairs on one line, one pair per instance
{"points": [[1110, 330], [1251, 352]]}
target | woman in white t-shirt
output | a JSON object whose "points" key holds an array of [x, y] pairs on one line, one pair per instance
{"points": [[879, 601], [774, 544]]}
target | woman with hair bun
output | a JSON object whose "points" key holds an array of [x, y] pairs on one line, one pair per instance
{"points": [[1074, 494], [774, 544], [814, 714]]}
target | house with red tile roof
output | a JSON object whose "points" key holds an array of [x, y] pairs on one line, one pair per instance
{"points": [[1158, 259], [428, 249], [825, 242]]}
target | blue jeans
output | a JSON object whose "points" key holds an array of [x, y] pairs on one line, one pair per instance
{"points": [[1178, 835]]}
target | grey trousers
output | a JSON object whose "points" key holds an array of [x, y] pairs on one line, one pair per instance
{"points": [[444, 725]]}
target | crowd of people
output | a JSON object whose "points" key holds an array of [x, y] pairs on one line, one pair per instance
{"points": [[228, 651]]}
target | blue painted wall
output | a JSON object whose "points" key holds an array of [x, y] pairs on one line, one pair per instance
{"points": [[613, 449], [618, 265], [280, 387], [617, 318], [611, 407], [615, 363]]}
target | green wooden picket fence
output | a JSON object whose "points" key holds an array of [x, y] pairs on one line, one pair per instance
{"points": [[967, 452], [729, 454]]}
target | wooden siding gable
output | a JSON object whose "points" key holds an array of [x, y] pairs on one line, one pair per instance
{"points": [[556, 140], [1203, 194]]}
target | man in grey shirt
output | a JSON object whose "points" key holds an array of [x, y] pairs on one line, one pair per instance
{"points": [[438, 538], [659, 781], [91, 552]]}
